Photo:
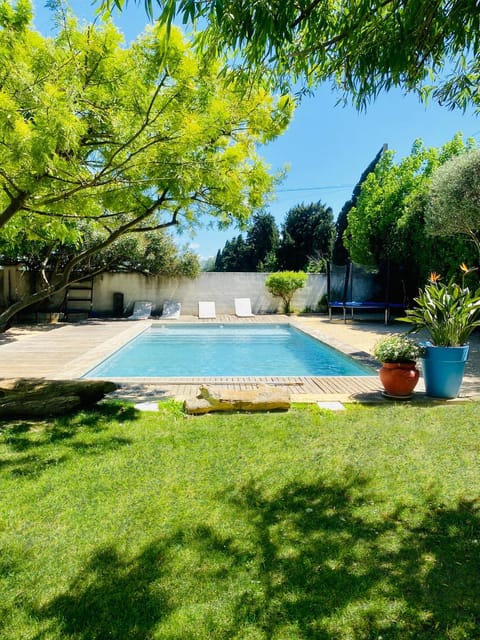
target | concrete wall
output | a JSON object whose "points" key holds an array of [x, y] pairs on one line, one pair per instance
{"points": [[222, 288], [14, 284]]}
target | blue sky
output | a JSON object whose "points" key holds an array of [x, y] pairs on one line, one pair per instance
{"points": [[327, 146]]}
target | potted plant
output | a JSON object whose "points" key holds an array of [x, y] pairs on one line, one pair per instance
{"points": [[399, 374], [449, 312]]}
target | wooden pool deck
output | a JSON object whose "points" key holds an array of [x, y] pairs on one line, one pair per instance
{"points": [[68, 351]]}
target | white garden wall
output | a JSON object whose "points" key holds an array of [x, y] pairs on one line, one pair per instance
{"points": [[221, 288]]}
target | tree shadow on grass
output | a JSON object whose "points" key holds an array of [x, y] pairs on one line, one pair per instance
{"points": [[111, 598], [329, 573], [315, 564], [36, 440]]}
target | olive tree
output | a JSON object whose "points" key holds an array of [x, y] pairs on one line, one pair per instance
{"points": [[453, 201]]}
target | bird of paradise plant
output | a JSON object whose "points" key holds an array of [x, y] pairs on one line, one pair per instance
{"points": [[449, 312]]}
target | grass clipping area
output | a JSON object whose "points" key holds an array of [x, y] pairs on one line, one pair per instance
{"points": [[309, 524]]}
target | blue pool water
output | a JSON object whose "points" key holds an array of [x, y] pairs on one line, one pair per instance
{"points": [[188, 350]]}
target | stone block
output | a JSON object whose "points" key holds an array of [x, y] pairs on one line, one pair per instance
{"points": [[263, 398]]}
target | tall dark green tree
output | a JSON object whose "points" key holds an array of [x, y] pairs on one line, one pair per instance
{"points": [[219, 261], [233, 257], [263, 239], [307, 235], [340, 253], [253, 253]]}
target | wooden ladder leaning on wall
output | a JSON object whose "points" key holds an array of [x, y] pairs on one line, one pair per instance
{"points": [[78, 299]]}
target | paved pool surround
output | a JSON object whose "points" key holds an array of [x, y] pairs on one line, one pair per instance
{"points": [[67, 351]]}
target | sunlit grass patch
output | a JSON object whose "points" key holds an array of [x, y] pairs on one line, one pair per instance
{"points": [[298, 525]]}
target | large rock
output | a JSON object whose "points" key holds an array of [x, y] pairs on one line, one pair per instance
{"points": [[263, 398], [37, 398]]}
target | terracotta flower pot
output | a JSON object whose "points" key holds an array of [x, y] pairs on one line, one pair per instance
{"points": [[399, 379]]}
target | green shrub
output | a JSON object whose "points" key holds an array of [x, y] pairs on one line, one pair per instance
{"points": [[284, 284]]}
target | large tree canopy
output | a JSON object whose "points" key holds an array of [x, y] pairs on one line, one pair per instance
{"points": [[124, 139], [340, 254], [387, 228], [307, 234], [150, 253], [453, 201], [363, 46]]}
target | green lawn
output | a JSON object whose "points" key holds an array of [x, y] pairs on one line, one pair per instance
{"points": [[287, 526]]}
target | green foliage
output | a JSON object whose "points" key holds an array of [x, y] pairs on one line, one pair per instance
{"points": [[448, 311], [15, 18], [306, 239], [262, 241], [150, 253], [340, 255], [453, 200], [218, 261], [317, 265], [363, 48], [307, 234], [386, 228], [126, 139], [269, 263], [253, 253], [397, 347], [284, 284], [234, 256]]}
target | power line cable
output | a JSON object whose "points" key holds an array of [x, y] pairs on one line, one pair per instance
{"points": [[333, 186]]}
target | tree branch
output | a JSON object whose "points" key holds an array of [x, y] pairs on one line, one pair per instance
{"points": [[16, 204], [305, 13]]}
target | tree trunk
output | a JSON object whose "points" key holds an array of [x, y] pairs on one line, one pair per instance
{"points": [[31, 398], [264, 398]]}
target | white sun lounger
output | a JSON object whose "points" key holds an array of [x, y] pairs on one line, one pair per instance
{"points": [[141, 310], [171, 310], [243, 308], [206, 309]]}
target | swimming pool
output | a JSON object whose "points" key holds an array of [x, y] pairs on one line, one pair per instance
{"points": [[193, 350]]}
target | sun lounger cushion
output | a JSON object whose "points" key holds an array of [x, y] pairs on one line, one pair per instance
{"points": [[243, 308], [171, 310], [141, 310], [206, 309]]}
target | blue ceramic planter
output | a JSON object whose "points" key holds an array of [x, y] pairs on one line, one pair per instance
{"points": [[443, 369]]}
